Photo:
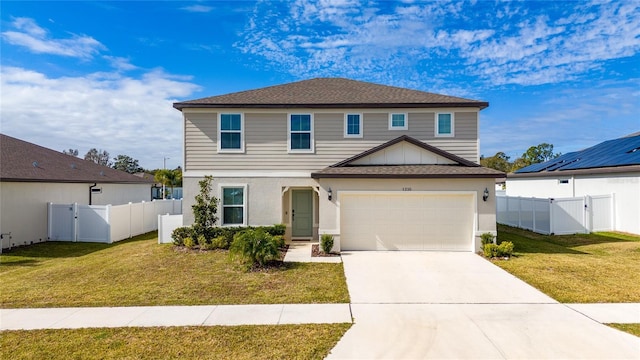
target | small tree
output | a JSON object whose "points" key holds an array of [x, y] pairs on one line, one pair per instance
{"points": [[206, 206]]}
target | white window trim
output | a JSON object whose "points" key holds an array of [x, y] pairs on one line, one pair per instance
{"points": [[220, 149], [406, 121], [437, 125], [346, 126], [245, 195], [311, 149]]}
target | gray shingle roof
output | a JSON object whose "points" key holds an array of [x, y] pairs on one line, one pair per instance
{"points": [[331, 93], [462, 169], [24, 161]]}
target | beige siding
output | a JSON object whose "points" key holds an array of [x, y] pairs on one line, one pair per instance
{"points": [[266, 139]]}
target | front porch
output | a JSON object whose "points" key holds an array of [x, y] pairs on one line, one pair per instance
{"points": [[300, 213]]}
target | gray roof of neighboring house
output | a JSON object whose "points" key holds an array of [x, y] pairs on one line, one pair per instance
{"points": [[21, 161], [463, 168], [331, 93], [612, 156]]}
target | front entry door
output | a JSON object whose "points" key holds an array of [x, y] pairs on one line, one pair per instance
{"points": [[302, 213]]}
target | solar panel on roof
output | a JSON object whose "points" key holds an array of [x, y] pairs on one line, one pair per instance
{"points": [[617, 152]]}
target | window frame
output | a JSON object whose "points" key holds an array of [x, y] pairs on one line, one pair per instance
{"points": [[221, 188], [311, 149], [346, 126], [406, 121], [437, 124], [220, 131]]}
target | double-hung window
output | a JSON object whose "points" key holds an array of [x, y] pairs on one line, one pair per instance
{"points": [[300, 133], [444, 124], [398, 121], [230, 133], [234, 204], [353, 125]]}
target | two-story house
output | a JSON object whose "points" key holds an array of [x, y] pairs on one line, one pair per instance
{"points": [[378, 167]]}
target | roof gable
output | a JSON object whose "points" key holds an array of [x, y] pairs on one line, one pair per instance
{"points": [[620, 152], [22, 161], [405, 150], [331, 93]]}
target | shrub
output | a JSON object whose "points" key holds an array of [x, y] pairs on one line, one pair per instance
{"points": [[180, 233], [188, 242], [279, 240], [490, 250], [220, 242], [206, 206], [254, 247], [202, 241], [326, 243], [487, 238], [505, 249], [276, 230]]}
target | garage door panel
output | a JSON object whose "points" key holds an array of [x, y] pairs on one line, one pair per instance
{"points": [[383, 221]]}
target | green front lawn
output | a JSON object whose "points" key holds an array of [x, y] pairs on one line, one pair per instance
{"points": [[580, 268], [142, 272], [216, 342]]}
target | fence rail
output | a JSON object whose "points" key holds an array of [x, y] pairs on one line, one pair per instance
{"points": [[557, 216], [106, 223]]}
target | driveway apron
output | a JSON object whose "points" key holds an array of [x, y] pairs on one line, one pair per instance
{"points": [[446, 305]]}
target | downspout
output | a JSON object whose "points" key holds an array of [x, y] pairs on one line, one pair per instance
{"points": [[91, 191]]}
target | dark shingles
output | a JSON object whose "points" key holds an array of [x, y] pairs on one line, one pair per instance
{"points": [[331, 93], [24, 161]]}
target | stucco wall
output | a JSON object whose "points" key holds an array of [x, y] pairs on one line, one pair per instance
{"points": [[23, 206], [625, 187]]}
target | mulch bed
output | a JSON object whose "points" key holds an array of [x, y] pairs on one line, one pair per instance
{"points": [[315, 252]]}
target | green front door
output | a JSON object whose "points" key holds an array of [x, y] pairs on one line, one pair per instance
{"points": [[302, 213]]}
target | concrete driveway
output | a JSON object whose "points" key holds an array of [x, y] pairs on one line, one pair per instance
{"points": [[443, 305]]}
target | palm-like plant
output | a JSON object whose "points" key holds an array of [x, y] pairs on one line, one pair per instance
{"points": [[169, 178]]}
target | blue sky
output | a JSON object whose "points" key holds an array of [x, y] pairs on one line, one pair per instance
{"points": [[105, 74]]}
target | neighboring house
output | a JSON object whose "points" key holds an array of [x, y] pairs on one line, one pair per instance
{"points": [[611, 167], [377, 167], [31, 176]]}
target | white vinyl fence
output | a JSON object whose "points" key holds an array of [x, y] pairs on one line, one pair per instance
{"points": [[557, 216], [106, 223]]}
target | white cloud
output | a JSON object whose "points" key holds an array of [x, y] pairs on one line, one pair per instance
{"points": [[28, 34], [197, 8], [123, 115], [506, 43]]}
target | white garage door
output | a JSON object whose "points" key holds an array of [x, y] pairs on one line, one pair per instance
{"points": [[406, 221]]}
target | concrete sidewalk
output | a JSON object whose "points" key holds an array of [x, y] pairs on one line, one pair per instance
{"points": [[301, 252], [148, 316]]}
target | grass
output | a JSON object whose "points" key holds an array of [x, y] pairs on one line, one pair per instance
{"points": [[580, 268], [633, 329], [217, 342], [142, 272]]}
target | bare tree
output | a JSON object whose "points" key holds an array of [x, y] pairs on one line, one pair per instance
{"points": [[100, 157]]}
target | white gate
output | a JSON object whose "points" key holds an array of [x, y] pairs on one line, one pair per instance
{"points": [[62, 224], [557, 216]]}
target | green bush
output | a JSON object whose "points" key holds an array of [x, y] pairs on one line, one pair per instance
{"points": [[279, 240], [326, 243], [490, 250], [276, 230], [254, 246], [505, 249], [180, 233], [487, 238], [188, 242], [220, 242], [203, 242]]}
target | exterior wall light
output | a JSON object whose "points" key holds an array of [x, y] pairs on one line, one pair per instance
{"points": [[330, 193], [485, 195]]}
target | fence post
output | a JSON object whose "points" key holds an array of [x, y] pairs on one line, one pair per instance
{"points": [[533, 213], [612, 205], [75, 222], [49, 219], [585, 208], [520, 212], [108, 216], [551, 222]]}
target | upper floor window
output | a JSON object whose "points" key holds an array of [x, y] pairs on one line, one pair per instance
{"points": [[398, 121], [230, 133], [300, 133], [353, 125], [444, 124]]}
